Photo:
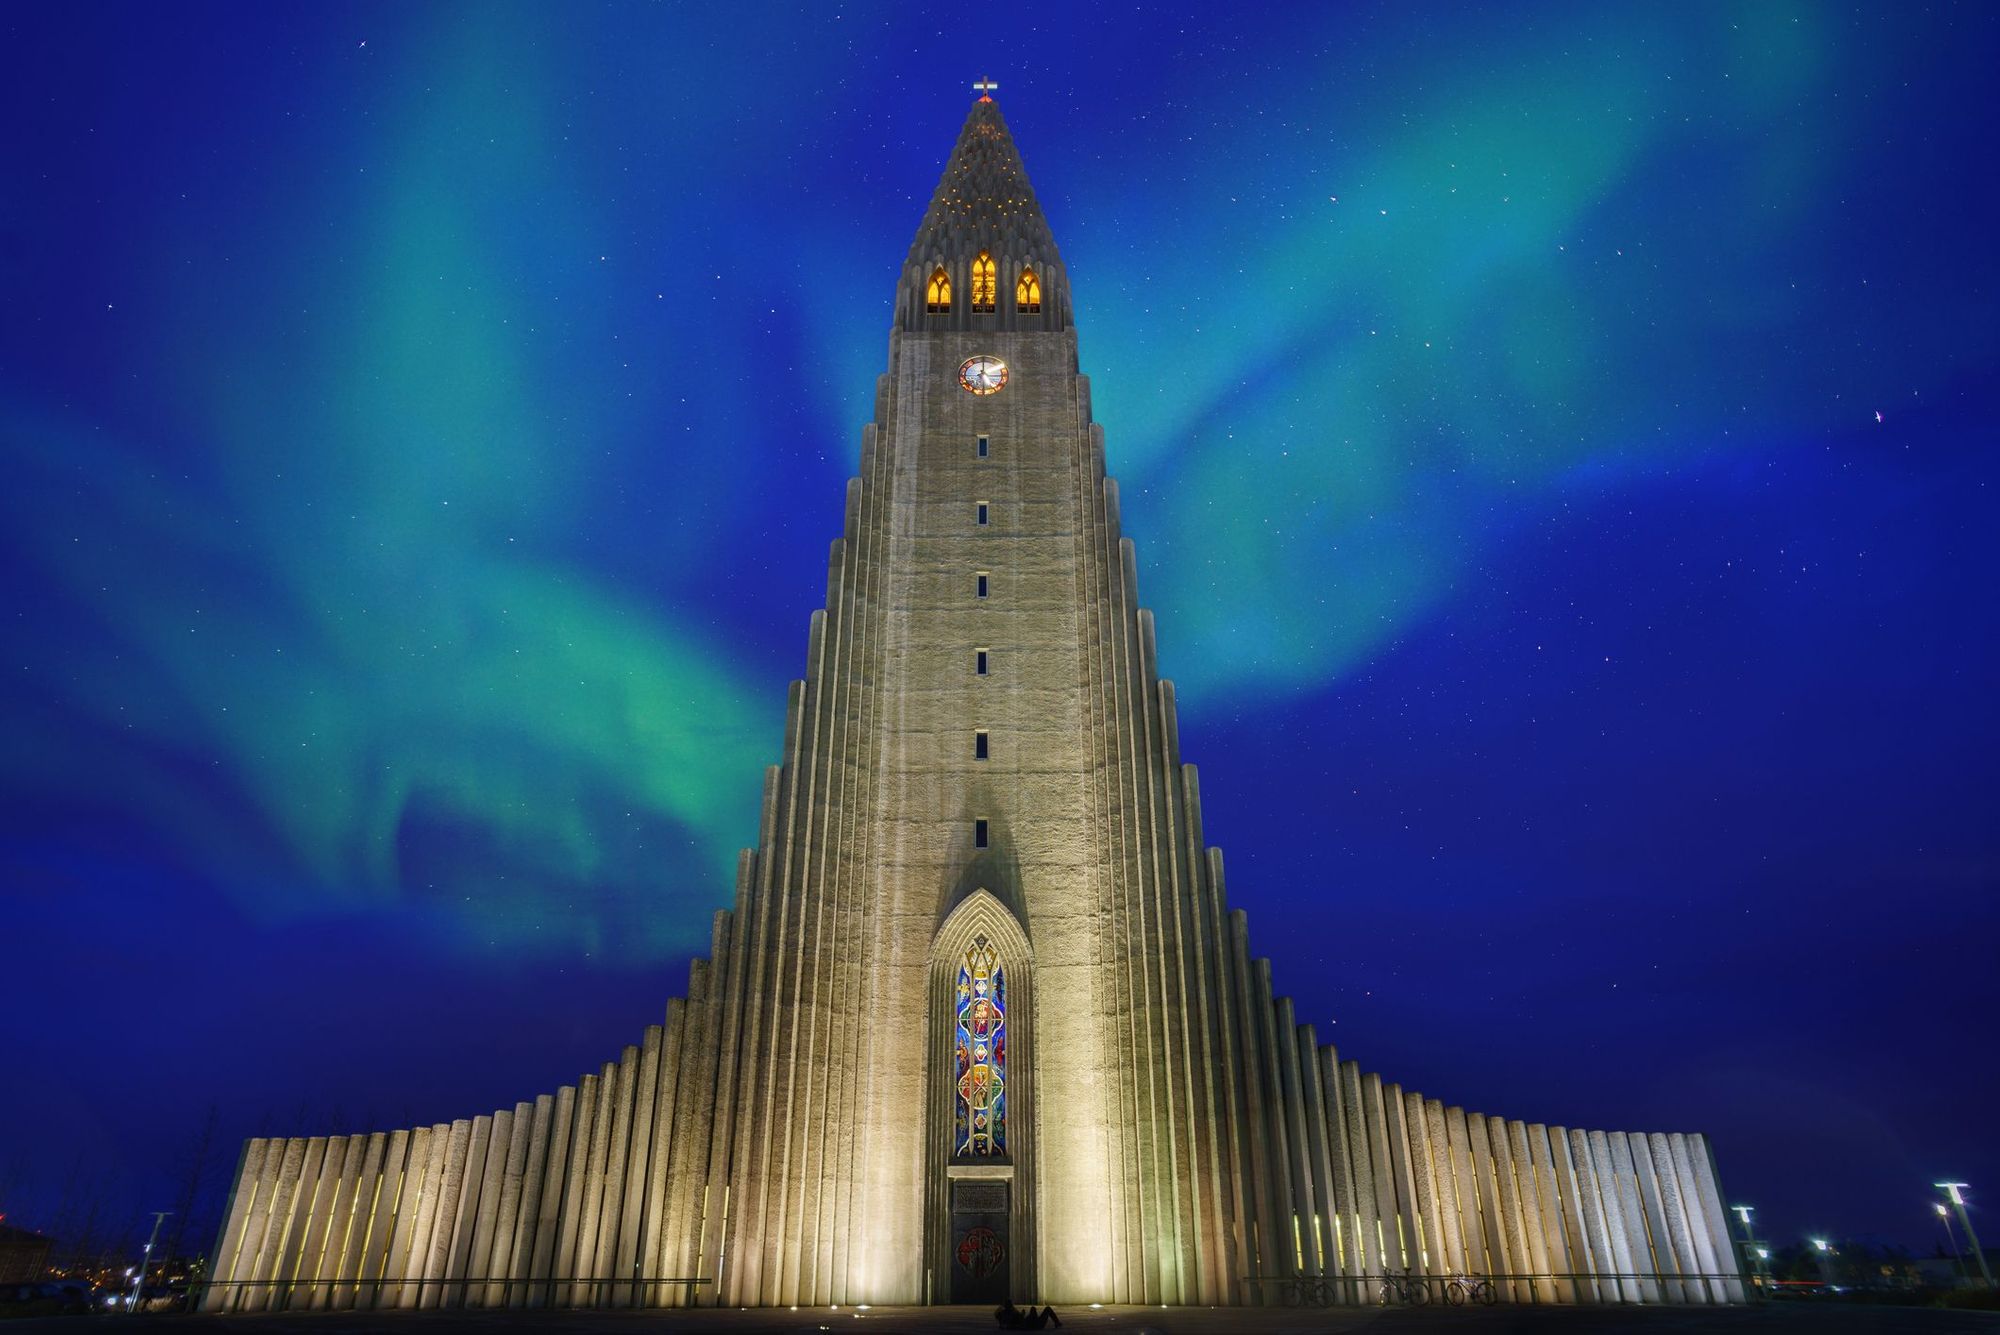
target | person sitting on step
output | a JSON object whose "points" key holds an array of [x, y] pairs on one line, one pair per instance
{"points": [[1011, 1317]]}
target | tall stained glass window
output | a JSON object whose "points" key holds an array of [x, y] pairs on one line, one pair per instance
{"points": [[937, 295], [982, 1054]]}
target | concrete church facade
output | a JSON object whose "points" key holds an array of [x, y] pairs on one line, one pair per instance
{"points": [[980, 1021]]}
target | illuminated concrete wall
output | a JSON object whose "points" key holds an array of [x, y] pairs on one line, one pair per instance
{"points": [[783, 1136], [574, 1199]]}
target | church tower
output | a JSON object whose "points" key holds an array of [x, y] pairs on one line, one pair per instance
{"points": [[980, 1022]]}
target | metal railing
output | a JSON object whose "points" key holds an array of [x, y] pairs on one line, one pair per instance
{"points": [[471, 1291], [1596, 1287]]}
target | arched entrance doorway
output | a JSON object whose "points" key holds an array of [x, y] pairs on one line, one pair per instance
{"points": [[980, 1139]]}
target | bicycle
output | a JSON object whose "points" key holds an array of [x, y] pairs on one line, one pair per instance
{"points": [[1314, 1293], [1463, 1288], [1405, 1288]]}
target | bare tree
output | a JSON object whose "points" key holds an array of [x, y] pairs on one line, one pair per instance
{"points": [[194, 1196]]}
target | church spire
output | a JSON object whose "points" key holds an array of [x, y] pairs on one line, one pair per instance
{"points": [[984, 207]]}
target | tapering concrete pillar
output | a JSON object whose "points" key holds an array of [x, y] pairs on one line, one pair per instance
{"points": [[1659, 1234], [590, 1199], [480, 1214], [1373, 1114], [1672, 1161], [1407, 1245], [548, 1264], [527, 1213], [269, 1265], [1367, 1211], [1297, 1239], [1508, 1196], [1423, 1178], [256, 1228], [618, 1150], [1277, 1150], [465, 1218], [405, 1259], [1632, 1212], [364, 1164], [1582, 1262], [1694, 1265], [389, 1201], [1550, 1195], [1472, 1231], [442, 1208], [1708, 1189], [1618, 1234], [236, 1219], [1528, 1195], [1346, 1240], [1491, 1216], [324, 1232], [499, 1250], [1445, 1175], [654, 1248], [302, 1203], [1319, 1142], [689, 1161], [629, 1268]]}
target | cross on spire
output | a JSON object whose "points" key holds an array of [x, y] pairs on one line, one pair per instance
{"points": [[985, 88]]}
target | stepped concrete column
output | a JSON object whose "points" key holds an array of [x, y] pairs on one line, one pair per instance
{"points": [[1551, 1194], [1611, 1200], [1632, 1211], [1659, 1234], [1444, 1174], [1528, 1193], [1512, 1236]]}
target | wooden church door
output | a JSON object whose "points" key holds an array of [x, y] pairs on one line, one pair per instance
{"points": [[980, 1253]]}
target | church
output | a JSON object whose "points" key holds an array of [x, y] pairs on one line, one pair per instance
{"points": [[980, 1021]]}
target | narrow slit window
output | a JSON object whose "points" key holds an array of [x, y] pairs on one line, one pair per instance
{"points": [[979, 834], [979, 662], [982, 584], [981, 748], [982, 514], [982, 447]]}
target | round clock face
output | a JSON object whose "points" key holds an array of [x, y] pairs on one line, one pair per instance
{"points": [[983, 375]]}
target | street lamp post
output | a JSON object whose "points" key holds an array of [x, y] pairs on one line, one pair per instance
{"points": [[1823, 1253], [1756, 1254], [1944, 1217], [1953, 1189], [139, 1282]]}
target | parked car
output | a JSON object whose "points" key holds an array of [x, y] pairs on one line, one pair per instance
{"points": [[49, 1297], [153, 1298]]}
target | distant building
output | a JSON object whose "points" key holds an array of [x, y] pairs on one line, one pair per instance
{"points": [[1942, 1272], [24, 1256]]}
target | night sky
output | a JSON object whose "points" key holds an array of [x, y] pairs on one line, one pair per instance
{"points": [[1559, 442]]}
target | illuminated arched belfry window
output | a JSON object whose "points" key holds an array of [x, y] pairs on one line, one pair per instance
{"points": [[981, 1044], [937, 296], [1028, 293], [985, 288]]}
